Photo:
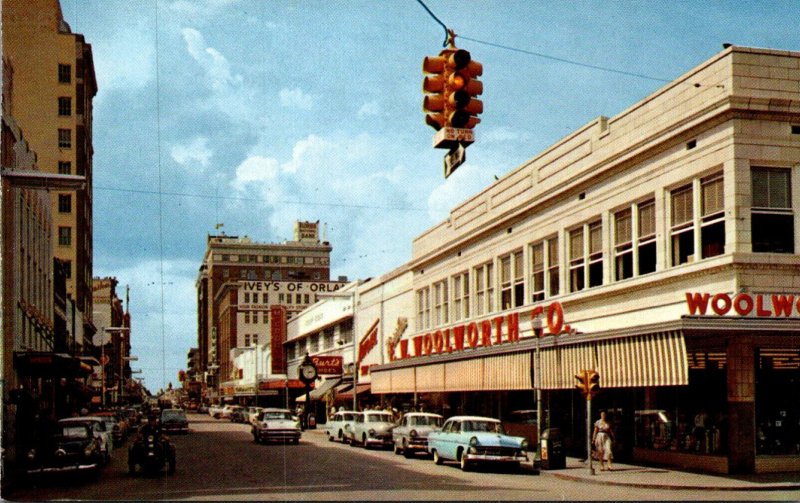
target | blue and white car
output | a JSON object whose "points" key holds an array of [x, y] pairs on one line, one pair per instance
{"points": [[472, 440], [340, 423]]}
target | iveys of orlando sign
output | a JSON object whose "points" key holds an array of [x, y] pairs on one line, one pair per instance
{"points": [[488, 332]]}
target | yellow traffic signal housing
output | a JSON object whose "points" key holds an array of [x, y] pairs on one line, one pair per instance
{"points": [[588, 383], [434, 84], [451, 87], [582, 382]]}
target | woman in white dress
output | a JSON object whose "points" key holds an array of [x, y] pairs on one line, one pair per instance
{"points": [[602, 439]]}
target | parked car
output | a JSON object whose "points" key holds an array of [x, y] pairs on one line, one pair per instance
{"points": [[114, 425], [472, 440], [339, 423], [522, 423], [174, 420], [372, 428], [252, 414], [276, 425], [98, 428], [215, 410], [202, 409], [225, 413], [236, 414], [411, 435], [71, 447]]}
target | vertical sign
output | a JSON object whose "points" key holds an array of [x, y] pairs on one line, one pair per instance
{"points": [[277, 321]]}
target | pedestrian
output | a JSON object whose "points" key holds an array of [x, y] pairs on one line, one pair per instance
{"points": [[602, 439]]}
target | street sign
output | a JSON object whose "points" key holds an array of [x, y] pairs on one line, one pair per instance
{"points": [[450, 137], [454, 159]]}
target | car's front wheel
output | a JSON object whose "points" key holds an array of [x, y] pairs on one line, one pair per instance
{"points": [[465, 465], [397, 449], [436, 458]]}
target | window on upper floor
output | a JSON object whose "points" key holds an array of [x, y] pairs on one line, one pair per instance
{"points": [[461, 296], [537, 272], [512, 281], [64, 106], [64, 73], [441, 303], [64, 203], [576, 260], [682, 225], [623, 245], [544, 269], [595, 254], [772, 216], [646, 237], [712, 217], [64, 167], [64, 138], [65, 236], [423, 309], [634, 248], [554, 284], [484, 288]]}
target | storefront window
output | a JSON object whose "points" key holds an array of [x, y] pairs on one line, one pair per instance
{"points": [[777, 404], [688, 419]]}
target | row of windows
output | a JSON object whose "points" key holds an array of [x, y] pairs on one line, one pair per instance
{"points": [[272, 259], [251, 339], [695, 214], [320, 341], [283, 298], [267, 274]]}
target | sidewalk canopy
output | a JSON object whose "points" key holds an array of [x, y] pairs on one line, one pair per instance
{"points": [[348, 395], [324, 389]]}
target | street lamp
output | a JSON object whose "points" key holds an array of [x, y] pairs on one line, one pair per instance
{"points": [[538, 331]]}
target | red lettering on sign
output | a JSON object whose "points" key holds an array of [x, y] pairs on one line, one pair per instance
{"points": [[760, 311], [427, 344], [745, 299], [697, 302], [486, 333], [458, 335], [404, 348], [555, 318], [782, 304], [446, 334], [512, 320], [726, 303], [472, 335], [418, 345], [438, 341]]}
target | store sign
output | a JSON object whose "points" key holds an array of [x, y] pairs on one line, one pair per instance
{"points": [[328, 365], [369, 341], [743, 304], [483, 333]]}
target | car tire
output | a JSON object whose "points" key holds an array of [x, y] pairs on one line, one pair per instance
{"points": [[465, 465], [330, 438], [397, 449], [364, 443], [437, 460]]}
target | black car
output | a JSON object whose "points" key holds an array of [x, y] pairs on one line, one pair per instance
{"points": [[174, 420], [72, 447], [238, 414]]}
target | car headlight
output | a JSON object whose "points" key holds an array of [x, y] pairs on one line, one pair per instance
{"points": [[32, 454], [412, 433], [473, 442], [88, 451], [371, 432], [524, 445]]}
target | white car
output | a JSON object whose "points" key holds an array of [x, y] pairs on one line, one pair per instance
{"points": [[372, 428], [411, 435], [276, 425], [252, 414], [215, 410], [99, 430], [339, 423]]}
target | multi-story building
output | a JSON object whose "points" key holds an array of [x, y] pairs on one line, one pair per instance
{"points": [[112, 342], [659, 248], [240, 282], [54, 84]]}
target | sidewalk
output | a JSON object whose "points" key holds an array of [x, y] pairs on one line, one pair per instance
{"points": [[668, 478]]}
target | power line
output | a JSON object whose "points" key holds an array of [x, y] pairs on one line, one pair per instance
{"points": [[161, 193], [542, 55]]}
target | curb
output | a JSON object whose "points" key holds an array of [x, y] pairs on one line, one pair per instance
{"points": [[770, 487]]}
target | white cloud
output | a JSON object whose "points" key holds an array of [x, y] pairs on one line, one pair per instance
{"points": [[465, 182], [295, 98], [217, 67], [126, 60], [369, 109], [505, 134], [192, 153]]}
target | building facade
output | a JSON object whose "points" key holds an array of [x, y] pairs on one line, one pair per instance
{"points": [[112, 342], [238, 285], [54, 84], [660, 248]]}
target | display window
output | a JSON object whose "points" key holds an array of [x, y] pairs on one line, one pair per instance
{"points": [[778, 402], [689, 419]]}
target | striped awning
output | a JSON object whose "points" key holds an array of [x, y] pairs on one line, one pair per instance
{"points": [[638, 361], [500, 372]]}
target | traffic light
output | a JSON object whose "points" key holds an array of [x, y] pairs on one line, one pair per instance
{"points": [[434, 87], [588, 383], [462, 87]]}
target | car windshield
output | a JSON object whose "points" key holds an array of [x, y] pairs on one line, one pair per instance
{"points": [[482, 426], [73, 431], [379, 417], [425, 421], [349, 417], [171, 415], [277, 415]]}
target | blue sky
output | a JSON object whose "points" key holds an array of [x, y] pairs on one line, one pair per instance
{"points": [[256, 113]]}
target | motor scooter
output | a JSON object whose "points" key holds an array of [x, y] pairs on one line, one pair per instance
{"points": [[151, 453]]}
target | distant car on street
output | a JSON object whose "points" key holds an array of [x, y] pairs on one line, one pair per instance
{"points": [[276, 425], [338, 424], [174, 420], [373, 428], [473, 440], [411, 435]]}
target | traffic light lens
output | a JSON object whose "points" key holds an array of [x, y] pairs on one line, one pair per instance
{"points": [[457, 81]]}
